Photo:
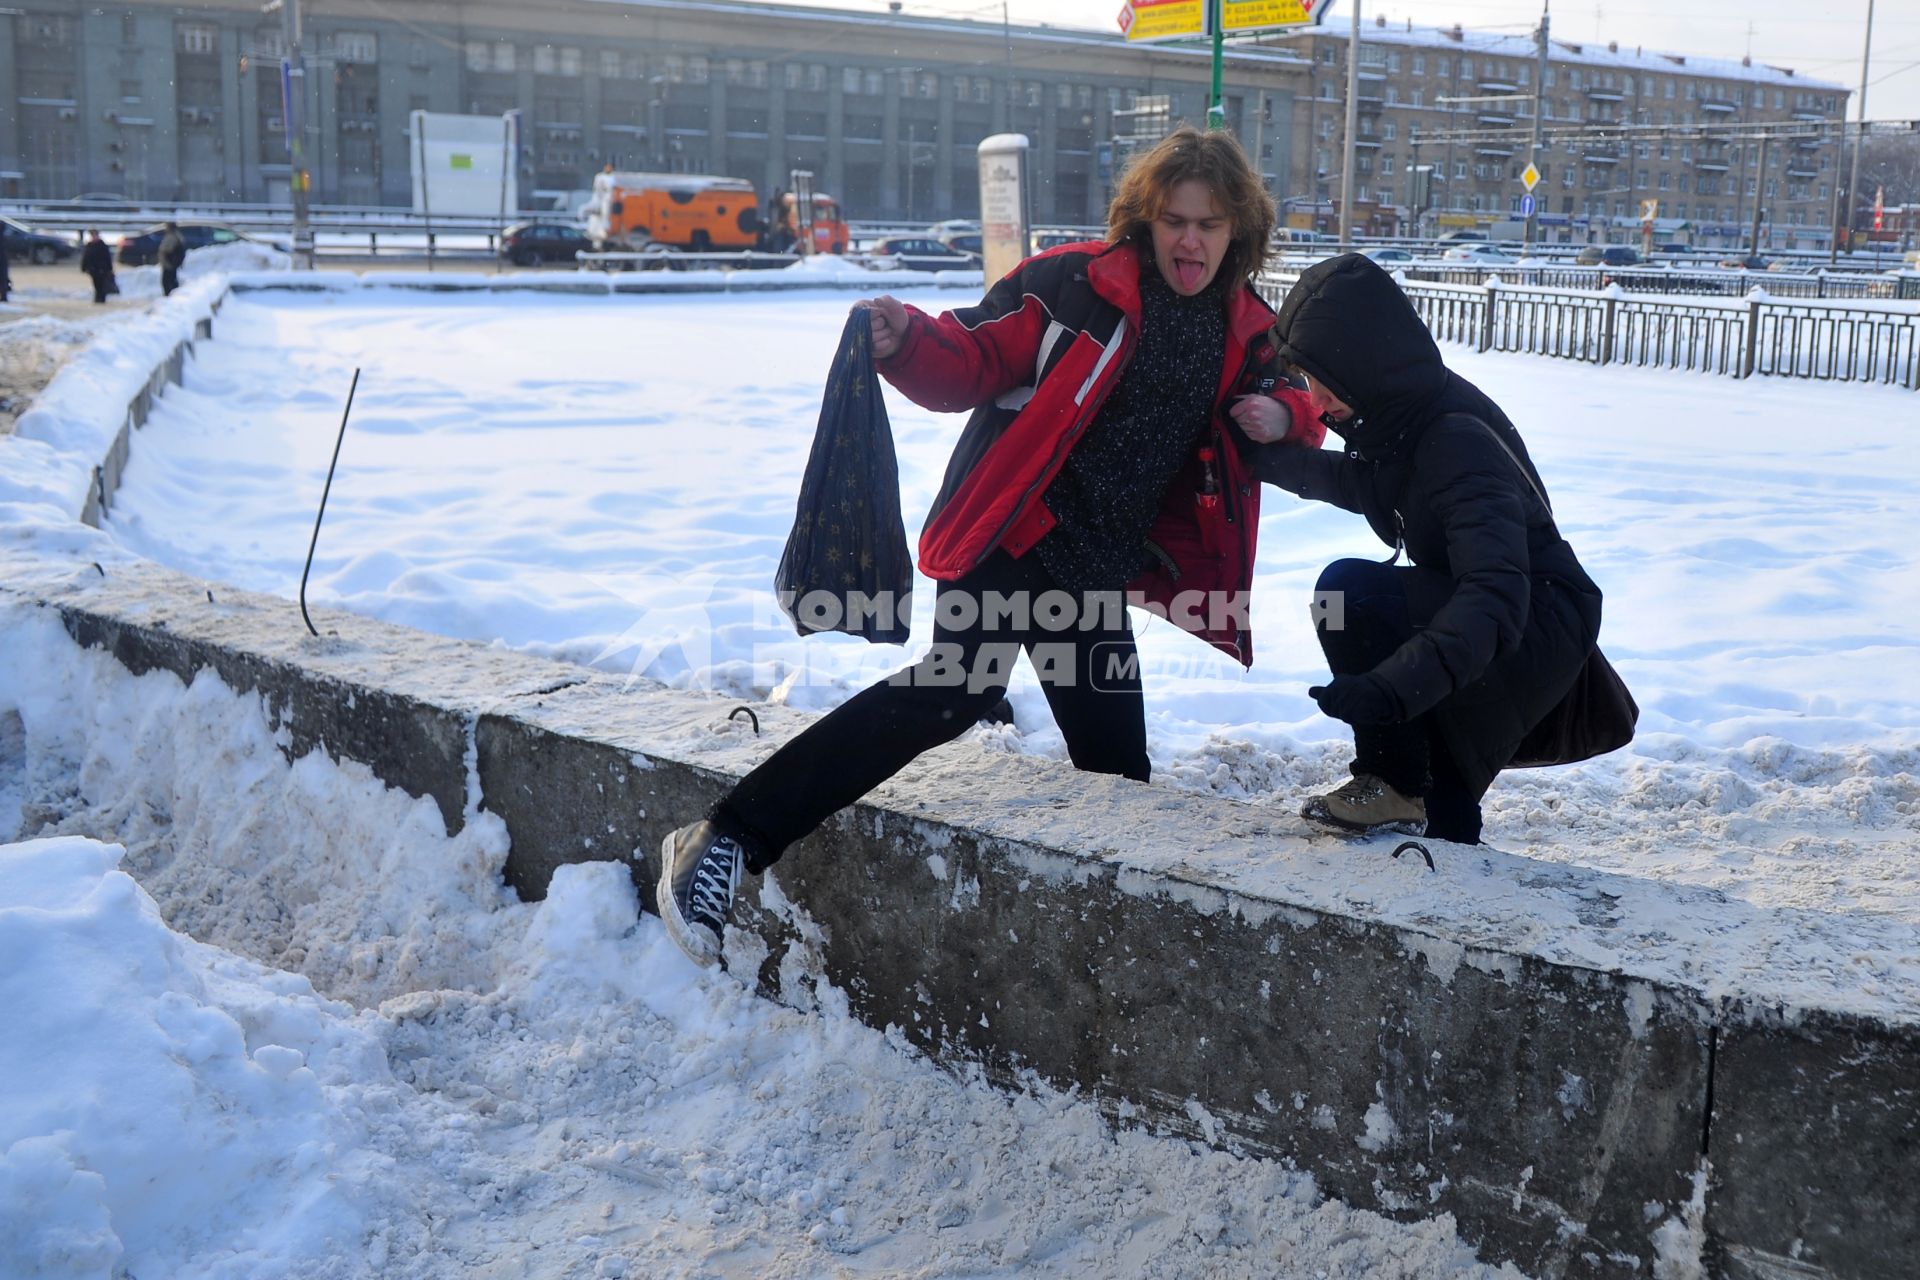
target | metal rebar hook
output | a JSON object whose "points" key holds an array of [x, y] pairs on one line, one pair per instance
{"points": [[321, 513]]}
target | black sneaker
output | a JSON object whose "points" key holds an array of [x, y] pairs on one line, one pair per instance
{"points": [[1365, 804], [699, 872]]}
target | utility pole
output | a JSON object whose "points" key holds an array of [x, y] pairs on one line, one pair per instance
{"points": [[1539, 114], [1759, 199], [1353, 124], [293, 115], [1859, 127]]}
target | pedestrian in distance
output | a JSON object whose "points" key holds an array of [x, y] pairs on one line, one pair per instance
{"points": [[96, 261], [173, 252], [1113, 386], [1442, 666], [6, 271]]}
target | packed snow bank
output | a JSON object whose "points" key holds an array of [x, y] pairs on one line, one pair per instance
{"points": [[205, 264], [482, 1084], [45, 468]]}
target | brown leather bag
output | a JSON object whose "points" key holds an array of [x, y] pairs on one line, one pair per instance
{"points": [[1598, 715]]}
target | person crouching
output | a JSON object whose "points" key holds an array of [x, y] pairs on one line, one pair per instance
{"points": [[1442, 665]]}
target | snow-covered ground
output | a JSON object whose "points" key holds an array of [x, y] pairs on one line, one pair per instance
{"points": [[612, 482], [373, 1062]]}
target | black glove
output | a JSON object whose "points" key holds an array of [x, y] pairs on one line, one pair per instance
{"points": [[1362, 699]]}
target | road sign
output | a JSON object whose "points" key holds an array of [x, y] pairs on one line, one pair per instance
{"points": [[1649, 210], [1146, 20], [1238, 17], [1530, 176], [1526, 205]]}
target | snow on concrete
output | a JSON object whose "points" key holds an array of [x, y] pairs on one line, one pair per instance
{"points": [[373, 1061]]}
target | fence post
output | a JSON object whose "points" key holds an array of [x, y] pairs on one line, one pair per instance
{"points": [[1486, 315], [1750, 357], [1607, 323]]}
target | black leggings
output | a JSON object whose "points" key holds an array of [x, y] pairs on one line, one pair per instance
{"points": [[1091, 675], [1381, 606]]}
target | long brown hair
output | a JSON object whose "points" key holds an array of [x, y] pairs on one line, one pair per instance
{"points": [[1214, 158]]}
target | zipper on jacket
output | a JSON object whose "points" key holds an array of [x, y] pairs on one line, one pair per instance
{"points": [[1066, 442]]}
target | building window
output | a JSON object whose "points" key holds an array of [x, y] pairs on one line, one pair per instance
{"points": [[1063, 96], [756, 74], [503, 56], [543, 60], [609, 64], [198, 37], [850, 80], [1419, 64], [129, 29], [1083, 96], [479, 56], [817, 77], [355, 46], [697, 69], [1393, 96], [1419, 98], [1442, 68], [983, 90], [795, 75], [1393, 61], [1389, 130]]}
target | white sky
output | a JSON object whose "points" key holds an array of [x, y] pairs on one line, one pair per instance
{"points": [[1823, 41]]}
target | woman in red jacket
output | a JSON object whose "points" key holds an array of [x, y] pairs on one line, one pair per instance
{"points": [[1112, 387]]}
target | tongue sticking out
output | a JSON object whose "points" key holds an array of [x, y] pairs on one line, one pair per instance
{"points": [[1188, 274]]}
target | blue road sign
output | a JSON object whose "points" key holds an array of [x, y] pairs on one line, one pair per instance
{"points": [[1526, 205]]}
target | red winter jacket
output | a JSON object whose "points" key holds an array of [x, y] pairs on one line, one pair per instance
{"points": [[1035, 360]]}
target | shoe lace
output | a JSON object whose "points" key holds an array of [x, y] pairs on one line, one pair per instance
{"points": [[1361, 789], [715, 877]]}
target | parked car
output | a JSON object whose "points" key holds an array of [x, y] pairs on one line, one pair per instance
{"points": [[1388, 255], [528, 244], [1463, 234], [919, 253], [1607, 255], [1053, 238], [963, 242], [29, 244], [1477, 253], [103, 200], [1748, 262], [143, 249], [953, 227]]}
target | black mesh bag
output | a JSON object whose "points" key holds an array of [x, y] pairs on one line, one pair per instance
{"points": [[846, 566]]}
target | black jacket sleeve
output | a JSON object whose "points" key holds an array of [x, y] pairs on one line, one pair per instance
{"points": [[1321, 474], [1473, 491]]}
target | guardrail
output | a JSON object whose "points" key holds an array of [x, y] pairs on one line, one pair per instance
{"points": [[1759, 335]]}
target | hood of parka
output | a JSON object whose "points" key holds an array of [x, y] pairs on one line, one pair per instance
{"points": [[1348, 324]]}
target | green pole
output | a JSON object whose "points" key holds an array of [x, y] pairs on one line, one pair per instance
{"points": [[1217, 109]]}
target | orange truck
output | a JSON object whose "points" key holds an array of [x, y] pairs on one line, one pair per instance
{"points": [[701, 213], [829, 229], [630, 211]]}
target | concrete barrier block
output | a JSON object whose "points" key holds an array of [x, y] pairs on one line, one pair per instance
{"points": [[1544, 1106], [1816, 1147]]}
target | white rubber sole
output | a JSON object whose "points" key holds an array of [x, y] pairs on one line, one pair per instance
{"points": [[697, 943]]}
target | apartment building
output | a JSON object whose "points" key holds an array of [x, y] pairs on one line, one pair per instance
{"points": [[1463, 102], [168, 101], [184, 102]]}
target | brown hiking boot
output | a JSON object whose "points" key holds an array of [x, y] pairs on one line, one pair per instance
{"points": [[1365, 804]]}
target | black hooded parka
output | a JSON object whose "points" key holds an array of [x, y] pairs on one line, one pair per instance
{"points": [[1436, 468]]}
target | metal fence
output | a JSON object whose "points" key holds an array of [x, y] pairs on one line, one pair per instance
{"points": [[1791, 338], [1701, 281]]}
